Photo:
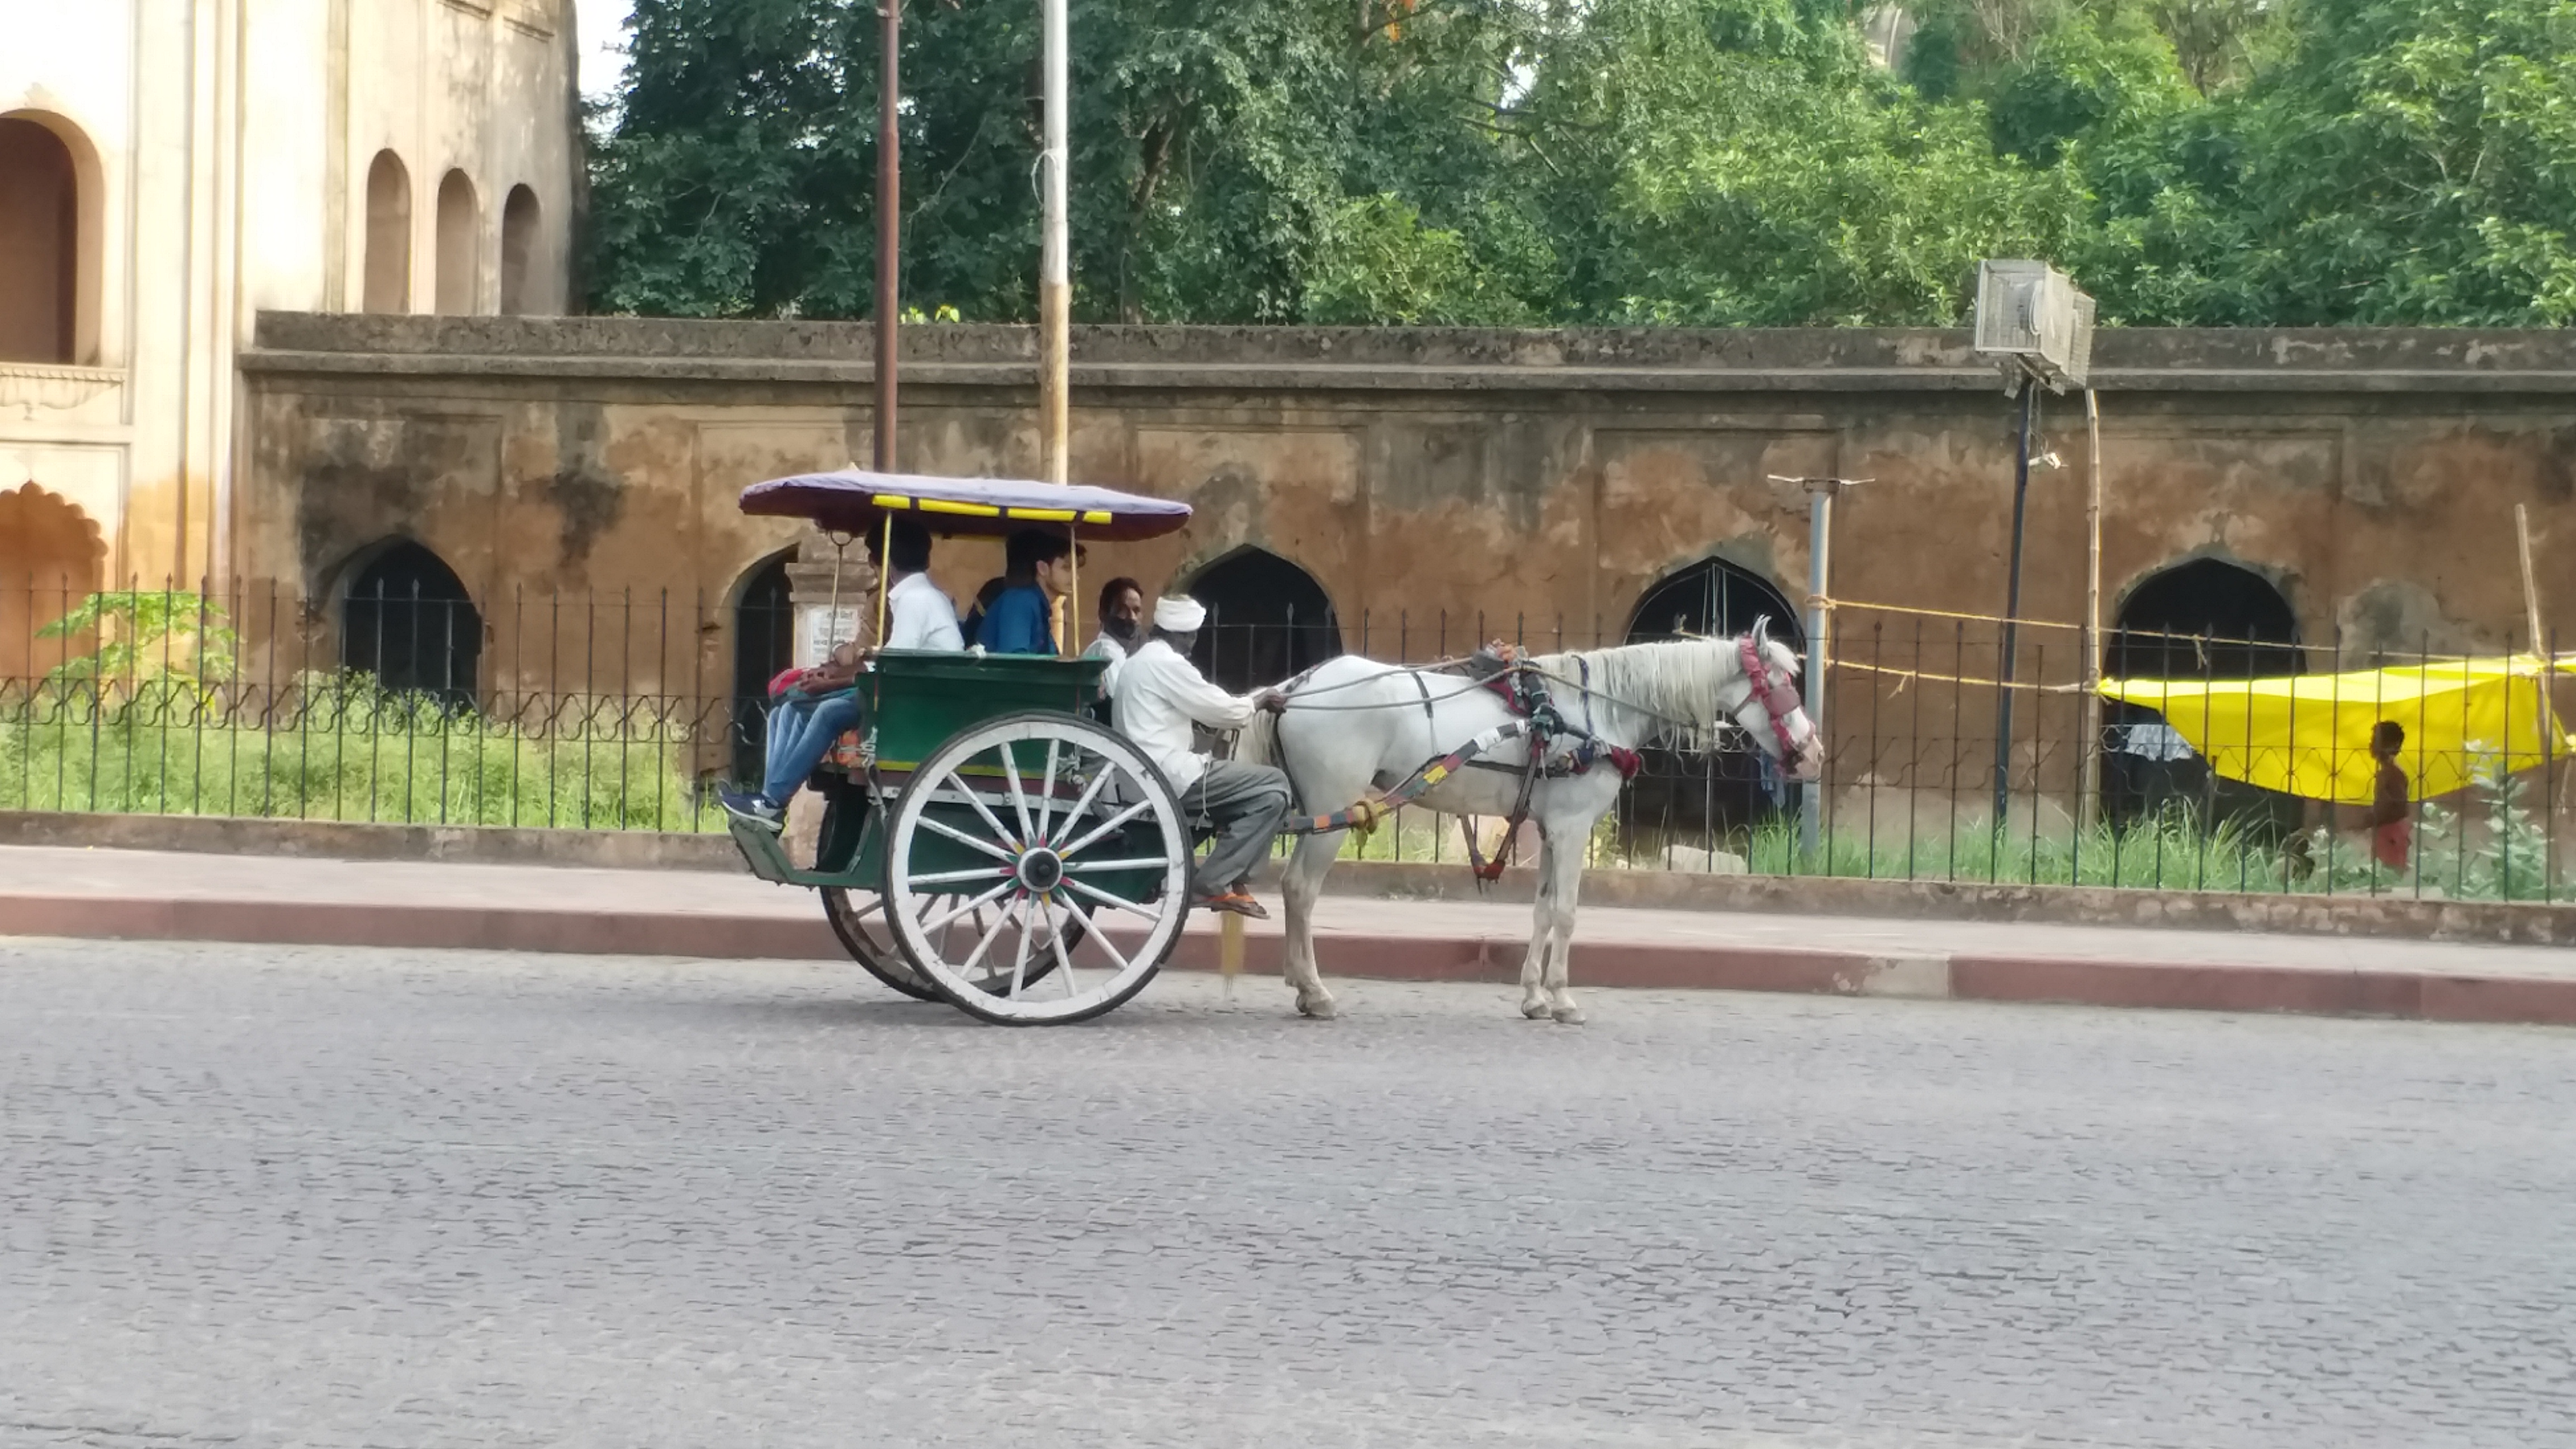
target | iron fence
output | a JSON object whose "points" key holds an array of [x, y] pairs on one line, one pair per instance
{"points": [[626, 711]]}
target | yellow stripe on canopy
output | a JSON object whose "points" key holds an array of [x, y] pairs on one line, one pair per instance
{"points": [[2310, 735]]}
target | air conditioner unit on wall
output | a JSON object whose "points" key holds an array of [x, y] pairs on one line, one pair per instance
{"points": [[2032, 312]]}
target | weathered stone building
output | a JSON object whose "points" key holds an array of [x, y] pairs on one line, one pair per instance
{"points": [[171, 168]]}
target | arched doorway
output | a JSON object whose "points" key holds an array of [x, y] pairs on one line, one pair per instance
{"points": [[1267, 620], [1680, 798], [460, 217], [40, 245], [407, 620], [388, 269], [764, 642], [2206, 619], [51, 560], [520, 260]]}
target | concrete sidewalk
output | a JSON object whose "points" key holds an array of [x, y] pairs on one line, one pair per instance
{"points": [[151, 895]]}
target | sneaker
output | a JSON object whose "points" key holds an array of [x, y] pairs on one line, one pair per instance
{"points": [[752, 809], [1236, 902]]}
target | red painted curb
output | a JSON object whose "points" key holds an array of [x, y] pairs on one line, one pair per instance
{"points": [[1636, 965]]}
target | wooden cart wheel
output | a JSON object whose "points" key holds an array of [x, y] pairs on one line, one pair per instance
{"points": [[859, 919], [1071, 845]]}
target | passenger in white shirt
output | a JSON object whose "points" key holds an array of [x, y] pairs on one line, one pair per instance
{"points": [[1160, 695], [1122, 627], [918, 616]]}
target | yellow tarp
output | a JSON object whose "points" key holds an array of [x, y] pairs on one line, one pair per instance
{"points": [[2310, 735]]}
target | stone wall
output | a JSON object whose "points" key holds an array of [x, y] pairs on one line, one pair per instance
{"points": [[1536, 479]]}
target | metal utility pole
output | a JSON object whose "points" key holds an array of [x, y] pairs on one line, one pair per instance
{"points": [[889, 225], [2012, 614], [1055, 269]]}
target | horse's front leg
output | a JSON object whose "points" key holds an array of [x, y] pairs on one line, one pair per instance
{"points": [[1534, 998], [1300, 887], [1561, 879]]}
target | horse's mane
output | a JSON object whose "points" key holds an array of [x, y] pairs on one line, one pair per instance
{"points": [[1675, 681]]}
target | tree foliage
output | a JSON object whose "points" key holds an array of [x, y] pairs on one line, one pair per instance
{"points": [[1632, 161]]}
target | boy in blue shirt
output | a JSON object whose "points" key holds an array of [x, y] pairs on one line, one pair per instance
{"points": [[1039, 570]]}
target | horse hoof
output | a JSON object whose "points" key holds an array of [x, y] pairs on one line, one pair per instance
{"points": [[1319, 1009], [1535, 1010], [1568, 1015]]}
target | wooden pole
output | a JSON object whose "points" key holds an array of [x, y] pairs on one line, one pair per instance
{"points": [[1055, 270], [889, 223], [2088, 804]]}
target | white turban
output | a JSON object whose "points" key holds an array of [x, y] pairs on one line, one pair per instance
{"points": [[1179, 614]]}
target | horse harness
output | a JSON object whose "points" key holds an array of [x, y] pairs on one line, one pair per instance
{"points": [[1523, 691]]}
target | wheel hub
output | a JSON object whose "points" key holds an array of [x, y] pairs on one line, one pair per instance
{"points": [[1041, 871]]}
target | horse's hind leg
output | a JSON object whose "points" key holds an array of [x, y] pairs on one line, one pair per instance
{"points": [[1300, 886], [1534, 998]]}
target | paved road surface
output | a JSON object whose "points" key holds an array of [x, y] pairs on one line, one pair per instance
{"points": [[264, 1197]]}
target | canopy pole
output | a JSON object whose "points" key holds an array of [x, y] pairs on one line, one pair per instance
{"points": [[885, 570], [1073, 601], [2530, 590]]}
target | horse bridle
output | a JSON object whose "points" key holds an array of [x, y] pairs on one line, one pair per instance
{"points": [[1779, 697]]}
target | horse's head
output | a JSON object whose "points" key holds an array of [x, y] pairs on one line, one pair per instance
{"points": [[1764, 700]]}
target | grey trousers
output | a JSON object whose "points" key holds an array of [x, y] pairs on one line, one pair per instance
{"points": [[1245, 803]]}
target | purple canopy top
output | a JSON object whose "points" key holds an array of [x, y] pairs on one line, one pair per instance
{"points": [[853, 500]]}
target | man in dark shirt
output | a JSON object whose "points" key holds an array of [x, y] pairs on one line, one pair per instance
{"points": [[1040, 571], [2392, 833]]}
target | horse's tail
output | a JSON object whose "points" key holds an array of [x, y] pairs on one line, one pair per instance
{"points": [[1258, 744]]}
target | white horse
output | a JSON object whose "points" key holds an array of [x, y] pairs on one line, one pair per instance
{"points": [[1353, 722]]}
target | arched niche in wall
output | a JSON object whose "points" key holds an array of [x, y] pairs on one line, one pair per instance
{"points": [[1683, 798], [406, 618], [2202, 619], [522, 253], [388, 259], [52, 557], [1267, 620], [460, 220], [764, 643], [50, 229]]}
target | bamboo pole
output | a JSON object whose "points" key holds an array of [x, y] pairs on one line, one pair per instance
{"points": [[2088, 803]]}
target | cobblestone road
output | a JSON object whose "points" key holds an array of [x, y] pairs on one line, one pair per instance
{"points": [[278, 1197]]}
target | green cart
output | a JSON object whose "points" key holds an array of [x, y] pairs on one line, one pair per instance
{"points": [[986, 841]]}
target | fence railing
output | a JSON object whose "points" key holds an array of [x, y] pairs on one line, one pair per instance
{"points": [[625, 712]]}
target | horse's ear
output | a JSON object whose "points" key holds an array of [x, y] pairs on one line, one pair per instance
{"points": [[1761, 633]]}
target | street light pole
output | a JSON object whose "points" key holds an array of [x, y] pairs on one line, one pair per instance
{"points": [[2012, 613], [889, 225], [1055, 270]]}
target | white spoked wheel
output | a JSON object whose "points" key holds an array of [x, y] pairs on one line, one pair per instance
{"points": [[1067, 845]]}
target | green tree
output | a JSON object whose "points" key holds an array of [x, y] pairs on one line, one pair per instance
{"points": [[2409, 162]]}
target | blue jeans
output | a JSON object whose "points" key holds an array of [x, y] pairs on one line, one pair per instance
{"points": [[801, 732]]}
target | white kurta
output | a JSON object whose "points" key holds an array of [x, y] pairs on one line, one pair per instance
{"points": [[920, 617], [1104, 647], [1160, 695]]}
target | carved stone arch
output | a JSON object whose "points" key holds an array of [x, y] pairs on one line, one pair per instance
{"points": [[387, 264], [52, 230], [763, 618], [406, 618], [2202, 616], [460, 251], [1268, 618], [52, 557]]}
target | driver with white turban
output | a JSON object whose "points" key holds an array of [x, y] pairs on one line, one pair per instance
{"points": [[1159, 695]]}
